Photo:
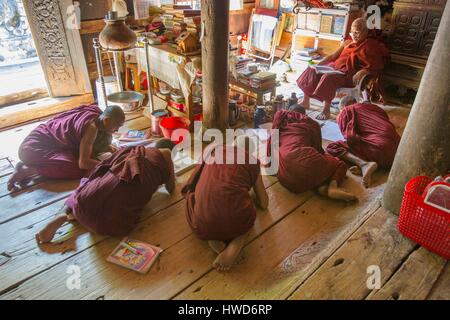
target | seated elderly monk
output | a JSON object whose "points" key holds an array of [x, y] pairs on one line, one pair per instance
{"points": [[219, 207], [66, 146], [303, 164], [371, 138], [110, 201], [355, 58]]}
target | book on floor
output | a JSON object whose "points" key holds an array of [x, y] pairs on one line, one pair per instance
{"points": [[135, 255]]}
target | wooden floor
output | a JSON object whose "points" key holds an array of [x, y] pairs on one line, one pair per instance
{"points": [[302, 247]]}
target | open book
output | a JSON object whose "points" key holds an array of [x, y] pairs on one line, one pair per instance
{"points": [[326, 70], [135, 255]]}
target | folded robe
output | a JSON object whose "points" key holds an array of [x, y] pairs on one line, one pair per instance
{"points": [[219, 206], [370, 55], [370, 134], [303, 164], [53, 147], [111, 199]]}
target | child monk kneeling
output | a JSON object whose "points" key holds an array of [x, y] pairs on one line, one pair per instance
{"points": [[219, 206], [110, 201]]}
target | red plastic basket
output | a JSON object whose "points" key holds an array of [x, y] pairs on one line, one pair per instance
{"points": [[422, 223]]}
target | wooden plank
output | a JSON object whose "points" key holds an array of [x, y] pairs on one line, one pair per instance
{"points": [[23, 96], [441, 290], [184, 260], [27, 260], [415, 278], [51, 107], [21, 203], [276, 259], [344, 274]]}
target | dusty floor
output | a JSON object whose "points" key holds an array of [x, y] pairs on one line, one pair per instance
{"points": [[302, 247]]}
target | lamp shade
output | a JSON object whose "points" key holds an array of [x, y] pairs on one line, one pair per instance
{"points": [[116, 35]]}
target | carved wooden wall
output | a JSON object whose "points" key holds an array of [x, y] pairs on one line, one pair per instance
{"points": [[59, 48]]}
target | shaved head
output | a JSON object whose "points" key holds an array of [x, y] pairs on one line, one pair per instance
{"points": [[115, 113], [112, 118], [347, 101], [359, 30], [164, 144], [297, 108]]}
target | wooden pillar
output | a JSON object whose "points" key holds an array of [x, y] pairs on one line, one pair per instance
{"points": [[425, 145], [215, 63]]}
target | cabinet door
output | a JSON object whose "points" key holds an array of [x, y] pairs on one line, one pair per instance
{"points": [[407, 29], [430, 31]]}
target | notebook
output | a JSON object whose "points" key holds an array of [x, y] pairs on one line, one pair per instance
{"points": [[135, 255]]}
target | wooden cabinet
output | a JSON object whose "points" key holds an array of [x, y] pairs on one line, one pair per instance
{"points": [[414, 27], [415, 23]]}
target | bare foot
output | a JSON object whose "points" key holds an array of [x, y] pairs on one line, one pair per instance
{"points": [[356, 170], [367, 170], [323, 190], [217, 246], [340, 194], [228, 257], [305, 104], [323, 116], [46, 235], [17, 177]]}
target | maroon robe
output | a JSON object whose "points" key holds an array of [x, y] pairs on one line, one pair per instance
{"points": [[370, 55], [111, 199], [369, 133], [53, 147], [303, 164], [219, 206]]}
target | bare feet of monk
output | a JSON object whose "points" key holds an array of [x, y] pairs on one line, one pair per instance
{"points": [[334, 192], [305, 104], [228, 257], [355, 170], [46, 235], [17, 177], [21, 173], [217, 246], [367, 170]]}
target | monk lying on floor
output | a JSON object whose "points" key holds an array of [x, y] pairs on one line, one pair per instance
{"points": [[220, 209], [371, 138], [303, 164], [110, 201], [355, 58], [66, 146]]}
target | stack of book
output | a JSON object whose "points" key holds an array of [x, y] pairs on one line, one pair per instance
{"points": [[239, 65], [301, 59], [176, 17], [263, 80]]}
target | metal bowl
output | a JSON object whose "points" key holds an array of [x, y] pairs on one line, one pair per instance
{"points": [[129, 101]]}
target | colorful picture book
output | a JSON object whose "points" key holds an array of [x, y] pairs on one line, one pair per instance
{"points": [[135, 255]]}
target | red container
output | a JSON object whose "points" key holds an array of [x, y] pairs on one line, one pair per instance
{"points": [[170, 124], [422, 223]]}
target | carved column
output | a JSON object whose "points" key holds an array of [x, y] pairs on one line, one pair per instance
{"points": [[59, 48]]}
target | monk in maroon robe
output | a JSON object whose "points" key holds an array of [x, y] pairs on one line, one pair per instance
{"points": [[66, 146], [303, 164], [220, 209], [355, 58], [110, 201], [371, 138]]}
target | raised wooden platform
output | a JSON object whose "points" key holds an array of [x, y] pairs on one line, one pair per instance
{"points": [[302, 247]]}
